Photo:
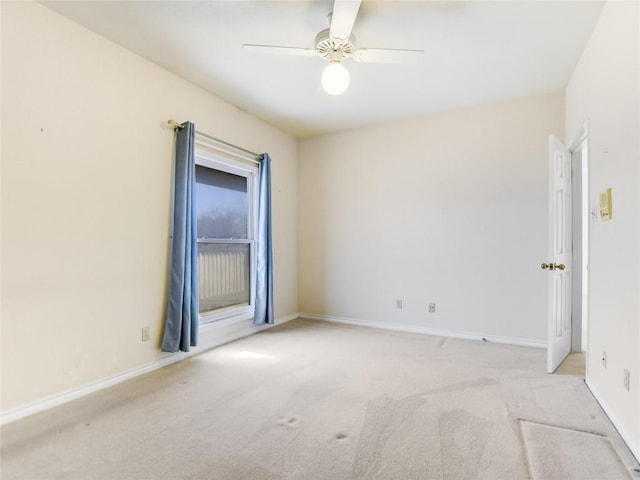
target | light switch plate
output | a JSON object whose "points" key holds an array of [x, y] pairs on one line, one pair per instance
{"points": [[605, 205]]}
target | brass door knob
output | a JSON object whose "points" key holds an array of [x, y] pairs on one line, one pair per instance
{"points": [[544, 266], [560, 266]]}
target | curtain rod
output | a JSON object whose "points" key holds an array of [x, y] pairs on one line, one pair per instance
{"points": [[175, 124]]}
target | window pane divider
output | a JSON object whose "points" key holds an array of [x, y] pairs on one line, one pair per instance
{"points": [[224, 240]]}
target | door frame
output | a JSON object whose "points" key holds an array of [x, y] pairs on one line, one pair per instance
{"points": [[581, 145]]}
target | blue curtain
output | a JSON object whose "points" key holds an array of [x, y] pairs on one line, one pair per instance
{"points": [[264, 274], [181, 326]]}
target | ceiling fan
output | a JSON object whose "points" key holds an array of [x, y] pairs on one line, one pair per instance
{"points": [[336, 44]]}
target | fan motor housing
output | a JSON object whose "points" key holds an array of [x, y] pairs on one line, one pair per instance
{"points": [[327, 47]]}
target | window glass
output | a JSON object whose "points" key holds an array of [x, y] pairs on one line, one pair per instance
{"points": [[225, 195], [222, 204]]}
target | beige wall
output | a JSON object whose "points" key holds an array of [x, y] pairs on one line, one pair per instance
{"points": [[86, 176], [450, 208], [605, 90]]}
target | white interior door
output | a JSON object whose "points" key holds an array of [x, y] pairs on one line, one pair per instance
{"points": [[559, 266]]}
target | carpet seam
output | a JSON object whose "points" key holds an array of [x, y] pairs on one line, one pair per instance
{"points": [[551, 425], [527, 459]]}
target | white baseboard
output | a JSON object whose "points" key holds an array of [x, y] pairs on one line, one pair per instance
{"points": [[523, 342], [55, 400], [634, 447]]}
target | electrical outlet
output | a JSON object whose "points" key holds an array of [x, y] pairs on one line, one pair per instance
{"points": [[604, 359], [399, 304], [626, 379], [146, 334], [432, 308]]}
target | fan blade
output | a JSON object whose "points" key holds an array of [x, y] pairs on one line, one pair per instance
{"points": [[386, 55], [278, 50], [343, 17]]}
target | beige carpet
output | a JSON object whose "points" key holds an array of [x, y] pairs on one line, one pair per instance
{"points": [[590, 455], [313, 400]]}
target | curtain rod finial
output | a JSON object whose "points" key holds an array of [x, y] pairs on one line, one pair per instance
{"points": [[175, 124]]}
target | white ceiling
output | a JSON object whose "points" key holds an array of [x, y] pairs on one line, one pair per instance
{"points": [[475, 53]]}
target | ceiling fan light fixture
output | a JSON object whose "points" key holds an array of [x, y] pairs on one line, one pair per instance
{"points": [[335, 78]]}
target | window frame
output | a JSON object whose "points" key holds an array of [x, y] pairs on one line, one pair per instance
{"points": [[210, 158]]}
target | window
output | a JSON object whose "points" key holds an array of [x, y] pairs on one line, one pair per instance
{"points": [[225, 208]]}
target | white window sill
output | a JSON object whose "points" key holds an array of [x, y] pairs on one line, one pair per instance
{"points": [[215, 321]]}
